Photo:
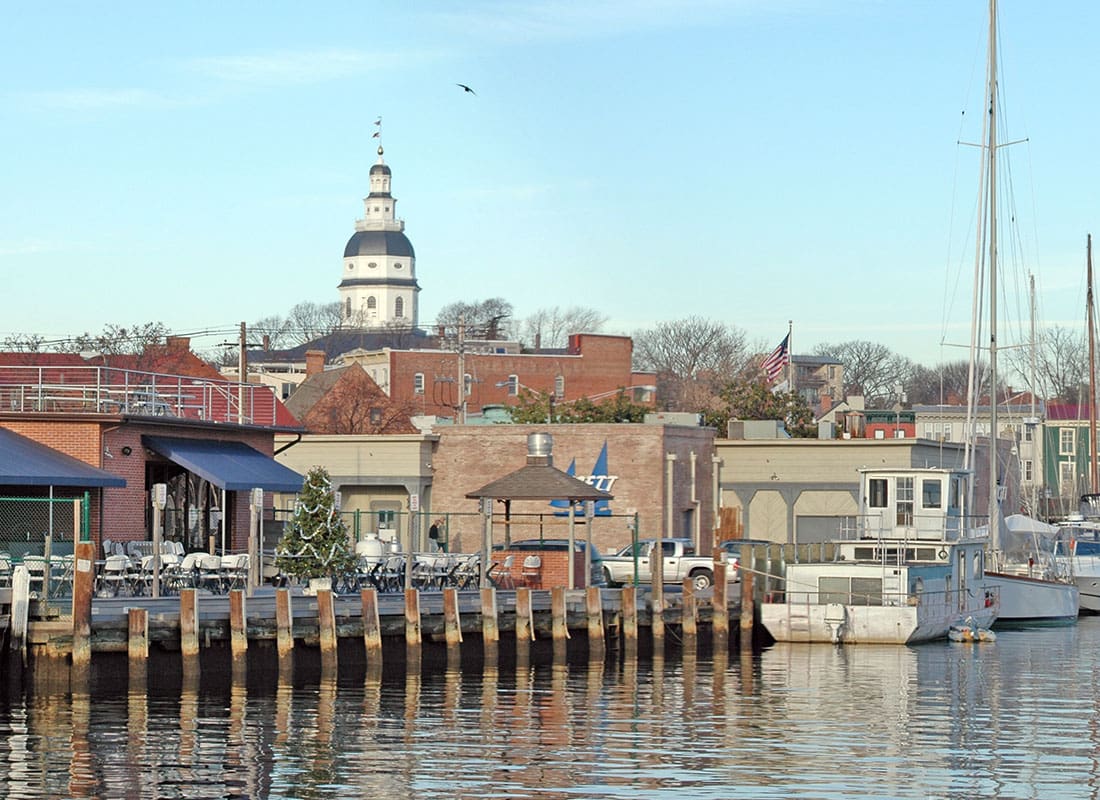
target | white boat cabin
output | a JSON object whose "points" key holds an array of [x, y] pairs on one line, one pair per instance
{"points": [[914, 504]]}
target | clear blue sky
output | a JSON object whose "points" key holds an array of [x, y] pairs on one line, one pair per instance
{"points": [[749, 162]]}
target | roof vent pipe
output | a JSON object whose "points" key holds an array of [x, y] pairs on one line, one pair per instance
{"points": [[540, 449]]}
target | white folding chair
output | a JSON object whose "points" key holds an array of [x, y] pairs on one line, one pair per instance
{"points": [[210, 573], [115, 576], [532, 570], [36, 569]]}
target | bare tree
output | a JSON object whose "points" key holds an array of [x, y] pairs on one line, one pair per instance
{"points": [[1061, 365], [550, 327], [485, 319], [693, 359], [25, 343], [117, 339], [309, 321], [870, 369], [276, 330], [945, 383]]}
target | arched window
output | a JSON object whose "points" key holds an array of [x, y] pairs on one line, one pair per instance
{"points": [[399, 307], [347, 307], [372, 303]]}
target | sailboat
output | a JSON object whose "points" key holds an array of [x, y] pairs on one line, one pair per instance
{"points": [[1078, 546], [1020, 560]]}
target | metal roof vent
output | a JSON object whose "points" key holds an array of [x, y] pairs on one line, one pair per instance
{"points": [[540, 449]]}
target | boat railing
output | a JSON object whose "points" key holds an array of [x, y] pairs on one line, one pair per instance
{"points": [[912, 528], [937, 602]]}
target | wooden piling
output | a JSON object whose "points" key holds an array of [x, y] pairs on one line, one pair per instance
{"points": [[525, 627], [720, 619], [20, 611], [452, 625], [593, 602], [372, 628], [525, 618], [490, 626], [83, 588], [412, 618], [747, 604], [284, 623], [138, 636], [189, 623], [238, 624], [630, 621], [559, 626], [326, 623], [689, 618]]}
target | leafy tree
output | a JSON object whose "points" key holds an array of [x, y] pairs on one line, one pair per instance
{"points": [[534, 407], [745, 399], [550, 327], [484, 319], [315, 544], [692, 358]]}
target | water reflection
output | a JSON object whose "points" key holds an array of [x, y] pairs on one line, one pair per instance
{"points": [[1020, 718]]}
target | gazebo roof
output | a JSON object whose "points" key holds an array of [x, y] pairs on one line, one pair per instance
{"points": [[539, 482]]}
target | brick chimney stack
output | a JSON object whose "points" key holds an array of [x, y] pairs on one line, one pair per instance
{"points": [[315, 362]]}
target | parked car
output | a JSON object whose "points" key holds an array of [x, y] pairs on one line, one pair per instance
{"points": [[596, 571], [732, 549], [679, 562]]}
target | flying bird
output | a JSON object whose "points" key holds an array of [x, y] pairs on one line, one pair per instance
{"points": [[466, 88]]}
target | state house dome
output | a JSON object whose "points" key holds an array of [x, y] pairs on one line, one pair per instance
{"points": [[379, 243]]}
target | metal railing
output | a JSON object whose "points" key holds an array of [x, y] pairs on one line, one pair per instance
{"points": [[108, 390]]}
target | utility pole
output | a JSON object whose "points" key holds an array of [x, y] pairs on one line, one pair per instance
{"points": [[461, 369], [242, 377]]}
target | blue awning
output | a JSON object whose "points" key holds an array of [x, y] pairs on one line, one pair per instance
{"points": [[233, 466], [25, 462]]}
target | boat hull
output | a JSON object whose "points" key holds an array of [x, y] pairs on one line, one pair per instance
{"points": [[1026, 600], [859, 624], [1089, 588]]}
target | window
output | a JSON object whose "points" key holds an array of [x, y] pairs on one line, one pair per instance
{"points": [[468, 383], [372, 303], [559, 386], [878, 493], [1029, 432], [931, 494], [376, 416], [399, 307], [1029, 471], [947, 431], [372, 265], [418, 383], [1067, 478], [351, 265], [929, 431], [513, 385], [904, 514], [1066, 439], [347, 307], [397, 265]]}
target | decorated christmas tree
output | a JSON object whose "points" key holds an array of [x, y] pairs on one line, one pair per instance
{"points": [[315, 543]]}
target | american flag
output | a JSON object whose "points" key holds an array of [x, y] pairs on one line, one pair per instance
{"points": [[775, 363]]}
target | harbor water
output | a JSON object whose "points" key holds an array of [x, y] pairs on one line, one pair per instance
{"points": [[1017, 718]]}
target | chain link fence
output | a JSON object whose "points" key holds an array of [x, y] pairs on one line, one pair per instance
{"points": [[39, 533]]}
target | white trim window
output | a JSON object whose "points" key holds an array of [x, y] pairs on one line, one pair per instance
{"points": [[513, 385], [418, 383], [1067, 441]]}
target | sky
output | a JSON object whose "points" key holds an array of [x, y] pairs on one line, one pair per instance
{"points": [[751, 162]]}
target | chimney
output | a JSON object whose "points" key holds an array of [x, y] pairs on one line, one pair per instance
{"points": [[315, 362], [178, 344], [540, 447]]}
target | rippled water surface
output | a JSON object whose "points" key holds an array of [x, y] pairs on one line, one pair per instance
{"points": [[1017, 718]]}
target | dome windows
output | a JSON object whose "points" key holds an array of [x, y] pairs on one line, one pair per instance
{"points": [[372, 264], [399, 307], [372, 303], [351, 265], [397, 265]]}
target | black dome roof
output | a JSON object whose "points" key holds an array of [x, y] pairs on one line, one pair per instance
{"points": [[379, 243], [383, 168]]}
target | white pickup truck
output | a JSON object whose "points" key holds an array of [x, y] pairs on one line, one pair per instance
{"points": [[679, 562]]}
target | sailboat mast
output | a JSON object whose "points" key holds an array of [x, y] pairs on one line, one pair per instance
{"points": [[991, 155], [1032, 419], [1093, 482]]}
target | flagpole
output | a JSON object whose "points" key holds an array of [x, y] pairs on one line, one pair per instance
{"points": [[790, 356]]}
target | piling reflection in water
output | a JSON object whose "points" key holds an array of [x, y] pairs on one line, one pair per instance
{"points": [[937, 720]]}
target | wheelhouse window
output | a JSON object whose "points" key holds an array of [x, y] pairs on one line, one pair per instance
{"points": [[905, 501], [878, 496], [931, 494]]}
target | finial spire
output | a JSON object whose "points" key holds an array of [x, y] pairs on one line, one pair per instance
{"points": [[378, 135]]}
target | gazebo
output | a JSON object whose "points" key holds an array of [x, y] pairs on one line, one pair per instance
{"points": [[539, 479]]}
